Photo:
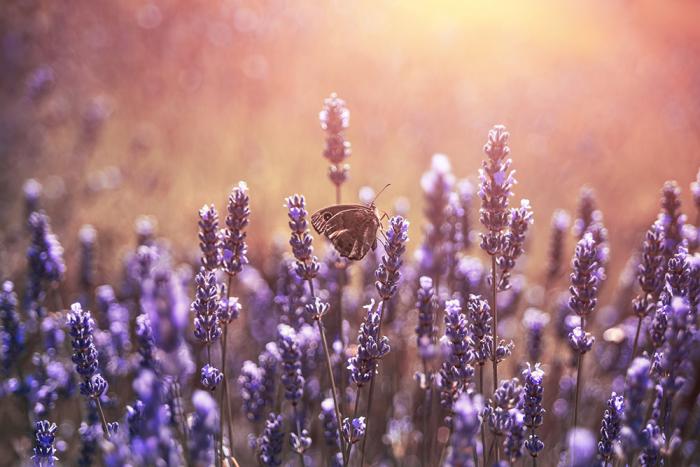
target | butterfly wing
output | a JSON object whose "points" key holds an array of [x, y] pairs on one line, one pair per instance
{"points": [[321, 218], [353, 232], [367, 240]]}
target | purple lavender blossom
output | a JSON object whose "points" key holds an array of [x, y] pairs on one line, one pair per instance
{"points": [[581, 449], [586, 212], [479, 319], [532, 409], [329, 423], [657, 331], [84, 352], [534, 321], [44, 440], [204, 428], [307, 265], [465, 191], [229, 309], [584, 278], [560, 223], [205, 307], [146, 343], [232, 240], [290, 353], [427, 307], [88, 239], [388, 274], [514, 241], [670, 217], [515, 436], [371, 347], [456, 371], [12, 337], [208, 237], [650, 270], [45, 261], [270, 443], [637, 383], [610, 427], [653, 440], [252, 388], [300, 442], [354, 430], [335, 119], [677, 275], [211, 377], [466, 423], [507, 396], [580, 341]]}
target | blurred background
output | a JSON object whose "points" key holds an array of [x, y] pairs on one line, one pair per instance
{"points": [[126, 108]]}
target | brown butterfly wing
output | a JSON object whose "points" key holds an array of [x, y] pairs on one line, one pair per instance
{"points": [[353, 232], [320, 219]]}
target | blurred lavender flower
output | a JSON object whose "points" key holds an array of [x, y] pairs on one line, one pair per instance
{"points": [[456, 372], [44, 440], [515, 436], [204, 428], [307, 265], [580, 341], [335, 119], [12, 337], [586, 212], [637, 383], [653, 440], [479, 319], [45, 261], [677, 275], [32, 190], [229, 310], [371, 347], [670, 217], [534, 321], [292, 379], [560, 223], [657, 331], [650, 270], [153, 442], [329, 423], [494, 190], [146, 343], [532, 409], [508, 396], [211, 377], [695, 190], [354, 430], [465, 191], [205, 307], [232, 241], [300, 442], [513, 241], [84, 352], [584, 278], [427, 307], [208, 237], [388, 274], [581, 449], [251, 382], [466, 423], [610, 427], [270, 443], [88, 239]]}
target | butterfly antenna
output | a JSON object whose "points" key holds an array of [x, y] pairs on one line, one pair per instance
{"points": [[380, 192]]}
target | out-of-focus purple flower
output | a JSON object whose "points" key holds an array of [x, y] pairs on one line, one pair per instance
{"points": [[307, 265], [695, 190], [677, 275], [270, 443], [514, 241], [508, 396], [12, 341], [354, 430], [208, 237], [211, 377], [497, 181], [465, 191], [317, 309], [657, 331], [560, 224], [426, 306], [84, 352], [534, 321], [653, 440], [371, 347], [44, 440], [610, 427], [581, 449], [300, 442], [330, 423], [466, 423], [146, 343], [584, 278], [651, 268], [88, 239], [335, 119], [671, 218], [532, 406], [32, 190], [251, 382], [45, 261], [586, 211], [234, 250], [292, 379], [479, 319], [637, 383], [515, 436], [437, 184], [580, 341], [469, 276], [230, 309], [205, 307], [388, 274], [204, 428], [456, 371]]}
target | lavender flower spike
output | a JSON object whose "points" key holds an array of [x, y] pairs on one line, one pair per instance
{"points": [[466, 424], [584, 278], [335, 119], [292, 379], [44, 440], [208, 237], [45, 261], [370, 349], [354, 430], [515, 437], [270, 443], [637, 383], [12, 332], [85, 353], [426, 305], [533, 411], [307, 265], [456, 371], [535, 321], [388, 274], [560, 223], [514, 240], [610, 427], [205, 307], [232, 241]]}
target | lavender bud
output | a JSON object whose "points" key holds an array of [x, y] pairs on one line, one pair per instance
{"points": [[335, 119], [584, 278], [580, 341], [637, 383], [307, 265], [270, 443], [251, 382], [88, 238], [650, 270], [329, 422], [466, 423], [300, 442], [456, 371], [206, 307], [318, 309], [371, 347], [84, 352], [292, 379], [44, 440], [208, 237], [532, 405], [204, 428], [232, 243], [611, 426], [513, 241], [653, 440], [497, 410], [45, 261], [479, 319], [230, 309], [354, 430], [437, 184], [534, 322], [427, 306], [388, 274], [211, 377], [515, 437], [671, 218], [560, 223], [146, 343]]}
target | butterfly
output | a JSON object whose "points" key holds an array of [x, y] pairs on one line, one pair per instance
{"points": [[351, 228]]}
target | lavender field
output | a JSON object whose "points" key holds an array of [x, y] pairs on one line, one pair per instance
{"points": [[201, 263]]}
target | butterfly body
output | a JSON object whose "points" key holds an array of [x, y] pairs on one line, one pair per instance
{"points": [[351, 228]]}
